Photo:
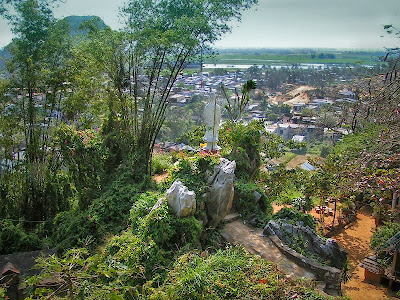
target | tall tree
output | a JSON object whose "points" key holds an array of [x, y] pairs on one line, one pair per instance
{"points": [[165, 36], [38, 71]]}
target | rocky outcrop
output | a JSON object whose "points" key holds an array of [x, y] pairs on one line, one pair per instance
{"points": [[181, 200], [328, 250], [283, 235], [220, 199]]}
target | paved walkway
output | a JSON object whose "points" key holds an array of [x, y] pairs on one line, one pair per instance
{"points": [[238, 233]]}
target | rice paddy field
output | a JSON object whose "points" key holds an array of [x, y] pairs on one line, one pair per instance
{"points": [[295, 56]]}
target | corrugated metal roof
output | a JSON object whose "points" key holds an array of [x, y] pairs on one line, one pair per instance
{"points": [[9, 268], [307, 166], [371, 264]]}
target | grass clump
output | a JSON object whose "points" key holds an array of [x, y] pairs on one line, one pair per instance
{"points": [[292, 216], [161, 162], [228, 274], [383, 235]]}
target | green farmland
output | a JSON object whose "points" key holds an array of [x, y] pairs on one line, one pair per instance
{"points": [[295, 56]]}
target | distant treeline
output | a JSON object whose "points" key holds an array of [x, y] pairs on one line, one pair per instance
{"points": [[299, 51]]}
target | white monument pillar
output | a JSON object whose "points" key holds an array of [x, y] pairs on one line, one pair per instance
{"points": [[212, 118]]}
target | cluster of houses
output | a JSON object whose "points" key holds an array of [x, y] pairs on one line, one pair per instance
{"points": [[202, 84], [301, 128]]}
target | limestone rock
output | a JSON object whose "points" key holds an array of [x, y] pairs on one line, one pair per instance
{"points": [[220, 199], [328, 249], [181, 200]]}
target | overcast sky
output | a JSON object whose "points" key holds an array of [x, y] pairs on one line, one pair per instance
{"points": [[279, 23]]}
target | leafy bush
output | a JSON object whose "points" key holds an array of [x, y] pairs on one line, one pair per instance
{"points": [[246, 147], [169, 231], [84, 155], [302, 204], [73, 228], [137, 256], [192, 172], [142, 207], [111, 210], [383, 235], [293, 216], [229, 274], [260, 212], [161, 163], [14, 239]]}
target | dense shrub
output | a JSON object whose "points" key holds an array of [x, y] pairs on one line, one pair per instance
{"points": [[14, 239], [259, 212], [142, 207], [293, 216], [192, 172], [246, 147], [383, 235], [84, 155], [229, 274], [169, 231], [111, 210], [75, 228], [138, 257], [160, 163]]}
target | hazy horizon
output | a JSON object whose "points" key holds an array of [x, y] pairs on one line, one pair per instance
{"points": [[274, 24]]}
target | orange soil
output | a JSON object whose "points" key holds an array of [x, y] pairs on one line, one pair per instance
{"points": [[278, 207], [160, 178], [355, 240]]}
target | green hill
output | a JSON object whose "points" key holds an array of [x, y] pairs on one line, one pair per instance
{"points": [[75, 23]]}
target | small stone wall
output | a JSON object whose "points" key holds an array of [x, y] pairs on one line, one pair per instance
{"points": [[330, 275]]}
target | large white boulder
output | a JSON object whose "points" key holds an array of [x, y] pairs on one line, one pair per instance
{"points": [[181, 200], [220, 199]]}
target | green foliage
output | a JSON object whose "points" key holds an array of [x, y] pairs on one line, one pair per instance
{"points": [[293, 216], [228, 274], [302, 204], [14, 239], [283, 186], [258, 212], [107, 214], [78, 276], [137, 256], [191, 172], [325, 150], [194, 137], [167, 230], [111, 210], [142, 207], [246, 147], [161, 163], [84, 156], [383, 235], [73, 228]]}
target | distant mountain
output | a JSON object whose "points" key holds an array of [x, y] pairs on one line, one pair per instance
{"points": [[75, 23], [4, 54]]}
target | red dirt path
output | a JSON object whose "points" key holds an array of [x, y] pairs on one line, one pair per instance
{"points": [[355, 240]]}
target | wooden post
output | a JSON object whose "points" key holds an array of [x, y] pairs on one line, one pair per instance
{"points": [[394, 201]]}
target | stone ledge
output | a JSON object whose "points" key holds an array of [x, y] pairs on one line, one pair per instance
{"points": [[331, 275]]}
